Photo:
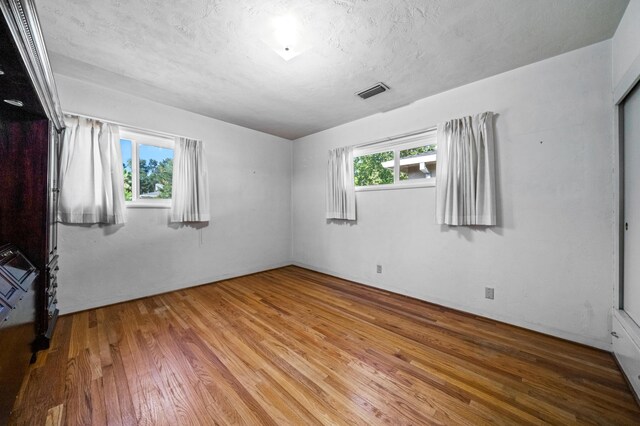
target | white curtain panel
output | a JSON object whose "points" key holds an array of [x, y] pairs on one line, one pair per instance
{"points": [[91, 173], [465, 176], [341, 194], [190, 196]]}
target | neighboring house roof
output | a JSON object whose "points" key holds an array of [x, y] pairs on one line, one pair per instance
{"points": [[415, 159]]}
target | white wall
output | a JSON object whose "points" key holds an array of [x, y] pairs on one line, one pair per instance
{"points": [[250, 229], [550, 258], [626, 42]]}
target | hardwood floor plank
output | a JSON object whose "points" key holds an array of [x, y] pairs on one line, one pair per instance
{"points": [[54, 416], [78, 401], [112, 405], [98, 409], [122, 396], [292, 346]]}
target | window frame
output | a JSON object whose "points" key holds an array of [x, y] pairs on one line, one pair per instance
{"points": [[396, 145], [139, 137]]}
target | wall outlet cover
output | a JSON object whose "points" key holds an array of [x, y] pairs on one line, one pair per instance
{"points": [[379, 269], [488, 293]]}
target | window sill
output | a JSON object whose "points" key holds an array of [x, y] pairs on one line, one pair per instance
{"points": [[147, 205], [427, 184]]}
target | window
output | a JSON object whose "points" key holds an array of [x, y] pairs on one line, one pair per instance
{"points": [[398, 163], [148, 169]]}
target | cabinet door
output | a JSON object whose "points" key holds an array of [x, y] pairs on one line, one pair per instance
{"points": [[631, 294]]}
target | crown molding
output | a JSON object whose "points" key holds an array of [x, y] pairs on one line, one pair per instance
{"points": [[22, 20]]}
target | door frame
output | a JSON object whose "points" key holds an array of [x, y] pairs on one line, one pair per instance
{"points": [[625, 86]]}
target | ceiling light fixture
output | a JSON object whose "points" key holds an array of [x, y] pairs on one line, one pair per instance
{"points": [[286, 31], [14, 102], [285, 38]]}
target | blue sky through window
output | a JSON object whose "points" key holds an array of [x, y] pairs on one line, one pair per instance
{"points": [[150, 152], [147, 152], [125, 146]]}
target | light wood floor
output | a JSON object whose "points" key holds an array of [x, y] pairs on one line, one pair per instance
{"points": [[290, 346]]}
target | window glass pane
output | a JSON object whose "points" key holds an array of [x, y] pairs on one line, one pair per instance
{"points": [[125, 147], [418, 163], [373, 169], [156, 169]]}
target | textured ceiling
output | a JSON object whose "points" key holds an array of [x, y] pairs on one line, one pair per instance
{"points": [[212, 57]]}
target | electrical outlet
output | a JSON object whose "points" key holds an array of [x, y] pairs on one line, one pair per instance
{"points": [[379, 269], [488, 293]]}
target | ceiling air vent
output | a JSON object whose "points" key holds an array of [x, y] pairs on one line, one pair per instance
{"points": [[372, 91]]}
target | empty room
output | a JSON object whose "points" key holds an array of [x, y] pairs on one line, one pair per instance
{"points": [[279, 212]]}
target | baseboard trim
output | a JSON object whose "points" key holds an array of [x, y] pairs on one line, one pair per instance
{"points": [[117, 299], [549, 331]]}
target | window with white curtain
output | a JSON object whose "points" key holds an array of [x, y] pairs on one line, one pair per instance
{"points": [[91, 184], [400, 163], [148, 168]]}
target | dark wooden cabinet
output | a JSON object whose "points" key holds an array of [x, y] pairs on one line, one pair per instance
{"points": [[31, 126], [24, 208], [17, 320]]}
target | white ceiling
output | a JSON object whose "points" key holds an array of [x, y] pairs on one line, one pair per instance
{"points": [[210, 56]]}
